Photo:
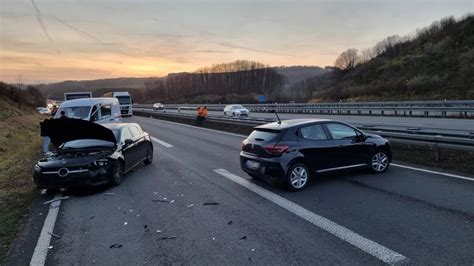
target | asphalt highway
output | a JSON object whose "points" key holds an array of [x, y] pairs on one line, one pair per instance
{"points": [[194, 205]]}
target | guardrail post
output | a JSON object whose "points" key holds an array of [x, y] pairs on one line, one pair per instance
{"points": [[381, 112], [437, 152]]}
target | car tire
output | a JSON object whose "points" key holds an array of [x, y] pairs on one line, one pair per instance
{"points": [[252, 175], [379, 162], [52, 191], [116, 176], [149, 156], [298, 177]]}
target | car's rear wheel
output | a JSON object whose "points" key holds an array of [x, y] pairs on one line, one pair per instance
{"points": [[116, 176], [298, 177], [149, 156], [379, 162]]}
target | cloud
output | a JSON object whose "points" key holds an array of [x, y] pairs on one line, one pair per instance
{"points": [[251, 49], [81, 32], [213, 51], [39, 16]]}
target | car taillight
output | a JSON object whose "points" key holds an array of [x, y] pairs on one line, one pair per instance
{"points": [[276, 149]]}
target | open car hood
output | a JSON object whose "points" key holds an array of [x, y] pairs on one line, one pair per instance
{"points": [[64, 130]]}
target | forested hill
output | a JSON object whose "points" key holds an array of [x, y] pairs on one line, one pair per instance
{"points": [[436, 63]]}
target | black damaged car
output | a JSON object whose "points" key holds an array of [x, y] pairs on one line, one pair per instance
{"points": [[90, 154], [293, 151]]}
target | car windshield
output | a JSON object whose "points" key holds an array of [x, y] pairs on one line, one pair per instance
{"points": [[79, 112], [238, 107], [124, 99], [86, 143]]}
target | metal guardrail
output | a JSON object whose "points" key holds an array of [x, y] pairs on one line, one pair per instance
{"points": [[459, 141], [445, 109]]}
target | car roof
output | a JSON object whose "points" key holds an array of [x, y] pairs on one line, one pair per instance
{"points": [[292, 123], [87, 101]]}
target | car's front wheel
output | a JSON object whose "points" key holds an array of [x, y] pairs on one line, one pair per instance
{"points": [[116, 176], [149, 156], [298, 177], [379, 162]]}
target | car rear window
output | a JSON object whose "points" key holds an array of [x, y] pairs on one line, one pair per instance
{"points": [[263, 135]]}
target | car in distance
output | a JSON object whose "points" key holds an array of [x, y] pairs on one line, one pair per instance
{"points": [[292, 151], [90, 154], [43, 110], [236, 110], [158, 107]]}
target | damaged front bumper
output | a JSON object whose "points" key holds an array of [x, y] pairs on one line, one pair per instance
{"points": [[70, 177]]}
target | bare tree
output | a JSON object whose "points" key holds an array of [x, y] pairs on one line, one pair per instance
{"points": [[348, 59]]}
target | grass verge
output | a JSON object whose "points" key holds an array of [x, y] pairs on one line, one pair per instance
{"points": [[20, 148]]}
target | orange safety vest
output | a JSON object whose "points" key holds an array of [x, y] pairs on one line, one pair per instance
{"points": [[199, 111]]}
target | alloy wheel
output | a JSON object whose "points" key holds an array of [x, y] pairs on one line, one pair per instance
{"points": [[299, 177], [379, 162]]}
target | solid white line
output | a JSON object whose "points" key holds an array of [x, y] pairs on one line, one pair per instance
{"points": [[167, 145], [373, 248], [433, 172], [200, 128], [41, 249]]}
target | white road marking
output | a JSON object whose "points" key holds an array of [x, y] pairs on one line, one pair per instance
{"points": [[432, 172], [373, 248], [167, 145], [394, 164], [41, 249], [201, 128]]}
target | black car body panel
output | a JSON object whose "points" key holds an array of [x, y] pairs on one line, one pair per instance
{"points": [[83, 161], [66, 129], [320, 151]]}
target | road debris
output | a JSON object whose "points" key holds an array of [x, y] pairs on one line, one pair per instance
{"points": [[213, 238], [146, 228], [171, 201], [56, 199], [210, 203], [243, 238], [92, 217], [158, 231], [190, 205], [156, 193], [54, 235], [253, 249], [50, 247], [230, 222], [125, 223], [161, 200], [130, 210], [116, 246], [168, 237]]}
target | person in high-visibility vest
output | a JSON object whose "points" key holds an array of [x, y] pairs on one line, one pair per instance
{"points": [[199, 115], [203, 115]]}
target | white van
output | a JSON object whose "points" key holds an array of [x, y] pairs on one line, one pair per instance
{"points": [[99, 110]]}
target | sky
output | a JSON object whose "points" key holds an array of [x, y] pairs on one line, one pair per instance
{"points": [[45, 41]]}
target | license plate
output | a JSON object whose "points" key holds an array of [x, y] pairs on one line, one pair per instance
{"points": [[253, 164]]}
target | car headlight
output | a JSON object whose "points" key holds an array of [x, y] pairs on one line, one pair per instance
{"points": [[101, 162]]}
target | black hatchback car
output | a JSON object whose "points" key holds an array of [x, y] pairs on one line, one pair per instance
{"points": [[90, 154], [292, 151]]}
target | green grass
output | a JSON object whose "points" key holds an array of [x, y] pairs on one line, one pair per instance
{"points": [[21, 146]]}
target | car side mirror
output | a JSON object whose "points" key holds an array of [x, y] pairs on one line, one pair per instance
{"points": [[361, 137], [128, 142]]}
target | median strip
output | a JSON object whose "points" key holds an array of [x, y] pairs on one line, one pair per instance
{"points": [[370, 247], [167, 145]]}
